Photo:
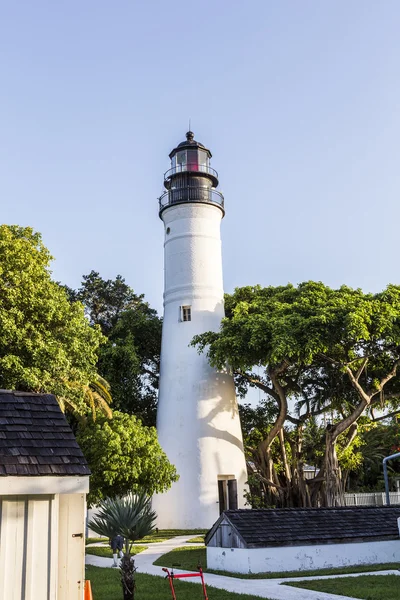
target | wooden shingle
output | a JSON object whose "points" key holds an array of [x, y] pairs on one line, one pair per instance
{"points": [[307, 526], [35, 438]]}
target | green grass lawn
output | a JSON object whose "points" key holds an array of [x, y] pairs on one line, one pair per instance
{"points": [[199, 539], [95, 540], [166, 534], [106, 552], [367, 587], [162, 535], [106, 585], [189, 558]]}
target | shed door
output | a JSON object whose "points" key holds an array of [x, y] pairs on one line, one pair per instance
{"points": [[28, 547], [71, 557]]}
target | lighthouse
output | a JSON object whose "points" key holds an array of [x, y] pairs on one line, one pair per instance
{"points": [[197, 418]]}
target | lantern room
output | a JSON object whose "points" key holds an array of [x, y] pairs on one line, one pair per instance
{"points": [[190, 178]]}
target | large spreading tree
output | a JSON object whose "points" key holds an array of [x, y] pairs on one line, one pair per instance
{"points": [[330, 351], [46, 342]]}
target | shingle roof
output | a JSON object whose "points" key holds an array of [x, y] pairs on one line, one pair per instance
{"points": [[35, 438], [303, 526]]}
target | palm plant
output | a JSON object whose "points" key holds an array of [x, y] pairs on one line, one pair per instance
{"points": [[96, 396], [131, 517]]}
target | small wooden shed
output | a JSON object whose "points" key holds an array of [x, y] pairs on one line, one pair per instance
{"points": [[44, 479], [290, 539]]}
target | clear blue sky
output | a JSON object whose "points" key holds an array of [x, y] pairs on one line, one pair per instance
{"points": [[297, 100]]}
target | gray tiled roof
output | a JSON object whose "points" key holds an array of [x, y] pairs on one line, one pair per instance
{"points": [[302, 526], [35, 438]]}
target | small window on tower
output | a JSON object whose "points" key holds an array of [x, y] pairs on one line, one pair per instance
{"points": [[186, 313]]}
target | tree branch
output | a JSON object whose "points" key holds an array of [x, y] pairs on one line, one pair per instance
{"points": [[361, 369], [265, 388], [388, 377], [392, 414]]}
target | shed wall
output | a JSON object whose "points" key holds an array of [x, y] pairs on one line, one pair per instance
{"points": [[71, 547], [28, 544], [41, 555], [301, 558]]}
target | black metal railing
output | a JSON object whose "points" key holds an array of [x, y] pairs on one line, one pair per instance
{"points": [[191, 194], [194, 168]]}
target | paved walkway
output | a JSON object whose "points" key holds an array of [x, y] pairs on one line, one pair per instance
{"points": [[265, 588]]}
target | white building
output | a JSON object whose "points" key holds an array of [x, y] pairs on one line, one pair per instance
{"points": [[197, 421], [303, 539], [44, 479]]}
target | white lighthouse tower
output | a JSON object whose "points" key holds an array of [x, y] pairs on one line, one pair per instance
{"points": [[197, 420]]}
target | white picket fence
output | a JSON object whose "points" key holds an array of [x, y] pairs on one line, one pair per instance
{"points": [[371, 499]]}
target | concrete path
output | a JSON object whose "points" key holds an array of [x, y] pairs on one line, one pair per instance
{"points": [[265, 588]]}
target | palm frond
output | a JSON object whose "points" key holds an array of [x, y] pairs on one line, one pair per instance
{"points": [[130, 516]]}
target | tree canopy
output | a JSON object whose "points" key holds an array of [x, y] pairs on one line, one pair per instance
{"points": [[46, 343], [325, 349], [123, 455], [130, 359]]}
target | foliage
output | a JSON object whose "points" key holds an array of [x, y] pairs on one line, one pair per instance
{"points": [[324, 349], [130, 359], [379, 439], [131, 517], [370, 587], [104, 300], [122, 455], [46, 343]]}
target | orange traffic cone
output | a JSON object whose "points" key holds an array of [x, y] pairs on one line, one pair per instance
{"points": [[88, 590]]}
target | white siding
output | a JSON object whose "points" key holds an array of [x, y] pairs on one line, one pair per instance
{"points": [[301, 558], [71, 548], [28, 535], [41, 557]]}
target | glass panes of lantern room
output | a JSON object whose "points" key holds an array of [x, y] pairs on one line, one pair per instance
{"points": [[191, 159]]}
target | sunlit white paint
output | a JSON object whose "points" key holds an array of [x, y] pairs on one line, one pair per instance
{"points": [[44, 485], [198, 422], [302, 558], [39, 557]]}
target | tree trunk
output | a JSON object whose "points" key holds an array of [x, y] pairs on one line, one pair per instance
{"points": [[299, 492], [127, 571], [333, 493], [284, 456]]}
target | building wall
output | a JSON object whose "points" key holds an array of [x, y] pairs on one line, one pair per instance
{"points": [[198, 422], [302, 558]]}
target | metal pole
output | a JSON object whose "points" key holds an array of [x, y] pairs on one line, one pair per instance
{"points": [[385, 474]]}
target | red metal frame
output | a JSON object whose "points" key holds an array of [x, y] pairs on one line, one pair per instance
{"points": [[171, 576]]}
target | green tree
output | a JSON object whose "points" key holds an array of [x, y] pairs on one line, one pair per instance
{"points": [[46, 343], [130, 359], [123, 454], [329, 350], [379, 439], [105, 299]]}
